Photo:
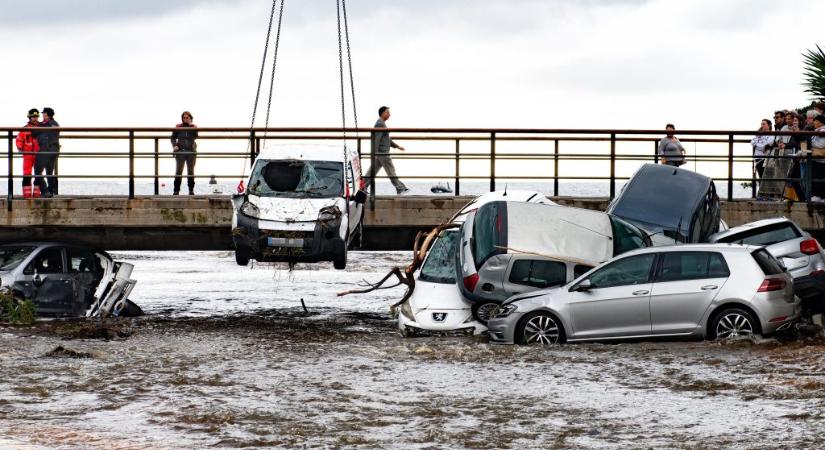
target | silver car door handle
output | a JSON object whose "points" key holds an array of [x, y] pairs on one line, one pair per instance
{"points": [[642, 292], [709, 287]]}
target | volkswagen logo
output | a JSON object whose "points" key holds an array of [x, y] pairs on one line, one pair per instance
{"points": [[439, 317]]}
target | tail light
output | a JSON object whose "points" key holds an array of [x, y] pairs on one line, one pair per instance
{"points": [[809, 247], [772, 284], [470, 282]]}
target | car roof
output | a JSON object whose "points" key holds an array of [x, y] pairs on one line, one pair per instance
{"points": [[511, 195], [694, 248], [304, 153], [52, 243], [751, 226]]}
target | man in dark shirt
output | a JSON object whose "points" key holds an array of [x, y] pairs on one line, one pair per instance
{"points": [[46, 159], [381, 144]]}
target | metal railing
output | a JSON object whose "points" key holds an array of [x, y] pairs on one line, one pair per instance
{"points": [[448, 150]]}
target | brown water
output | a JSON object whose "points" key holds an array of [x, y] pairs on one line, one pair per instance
{"points": [[337, 379]]}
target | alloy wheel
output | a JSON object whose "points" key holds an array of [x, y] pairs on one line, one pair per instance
{"points": [[485, 312], [542, 330], [734, 324]]}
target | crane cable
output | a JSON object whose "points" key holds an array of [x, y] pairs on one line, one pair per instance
{"points": [[341, 8], [260, 82]]}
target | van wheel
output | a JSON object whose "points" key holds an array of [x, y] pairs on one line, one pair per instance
{"points": [[732, 322], [483, 311], [539, 328], [242, 256], [131, 309], [340, 259]]}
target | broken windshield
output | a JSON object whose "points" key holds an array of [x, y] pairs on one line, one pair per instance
{"points": [[12, 256], [297, 179]]}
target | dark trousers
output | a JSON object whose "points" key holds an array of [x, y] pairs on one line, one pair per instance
{"points": [[44, 164], [817, 173], [184, 158]]}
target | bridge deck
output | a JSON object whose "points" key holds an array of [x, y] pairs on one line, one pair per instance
{"points": [[203, 222]]}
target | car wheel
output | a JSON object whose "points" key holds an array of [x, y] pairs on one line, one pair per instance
{"points": [[242, 256], [340, 259], [483, 311], [732, 322], [130, 309], [539, 328]]}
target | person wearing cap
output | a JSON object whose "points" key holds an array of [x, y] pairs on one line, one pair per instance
{"points": [[818, 153], [184, 147], [46, 160], [27, 144], [381, 145]]}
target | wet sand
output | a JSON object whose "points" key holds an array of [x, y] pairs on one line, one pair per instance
{"points": [[340, 379]]}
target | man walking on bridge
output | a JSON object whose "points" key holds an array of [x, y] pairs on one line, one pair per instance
{"points": [[381, 144], [46, 159]]}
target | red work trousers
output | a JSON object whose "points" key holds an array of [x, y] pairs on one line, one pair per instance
{"points": [[28, 166]]}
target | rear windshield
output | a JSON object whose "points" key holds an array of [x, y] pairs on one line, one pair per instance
{"points": [[489, 232], [626, 237], [11, 256], [768, 264], [297, 179], [768, 235], [440, 264]]}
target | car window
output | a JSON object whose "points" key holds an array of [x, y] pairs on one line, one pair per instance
{"points": [[439, 266], [626, 237], [768, 264], [538, 273], [768, 235], [626, 271], [12, 255], [50, 260], [692, 266], [580, 269], [83, 260], [489, 232]]}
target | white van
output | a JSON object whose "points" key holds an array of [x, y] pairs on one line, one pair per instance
{"points": [[300, 205]]}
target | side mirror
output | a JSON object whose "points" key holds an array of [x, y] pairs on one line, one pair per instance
{"points": [[360, 197], [37, 281], [584, 286]]}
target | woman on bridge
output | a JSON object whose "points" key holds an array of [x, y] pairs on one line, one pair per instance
{"points": [[184, 147]]}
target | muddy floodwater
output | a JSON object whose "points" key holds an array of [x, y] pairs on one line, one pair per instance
{"points": [[227, 357]]}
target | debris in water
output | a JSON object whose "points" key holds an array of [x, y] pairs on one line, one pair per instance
{"points": [[63, 352]]}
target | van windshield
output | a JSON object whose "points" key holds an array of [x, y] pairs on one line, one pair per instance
{"points": [[11, 256], [297, 179]]}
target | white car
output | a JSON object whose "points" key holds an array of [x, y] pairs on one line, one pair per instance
{"points": [[303, 205], [436, 304]]}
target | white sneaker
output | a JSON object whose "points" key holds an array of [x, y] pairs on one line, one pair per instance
{"points": [[816, 199]]}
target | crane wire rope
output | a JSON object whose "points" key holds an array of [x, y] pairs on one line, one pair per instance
{"points": [[274, 64]]}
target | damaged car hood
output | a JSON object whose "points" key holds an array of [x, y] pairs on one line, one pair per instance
{"points": [[293, 209]]}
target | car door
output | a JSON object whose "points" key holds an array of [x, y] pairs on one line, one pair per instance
{"points": [[685, 284], [54, 293], [618, 302], [528, 273]]}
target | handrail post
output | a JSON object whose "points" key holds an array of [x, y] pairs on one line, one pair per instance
{"points": [[808, 178], [131, 165], [457, 181], [492, 161], [11, 172], [612, 165], [555, 168], [157, 168], [730, 167], [252, 141], [655, 152], [257, 147], [373, 172]]}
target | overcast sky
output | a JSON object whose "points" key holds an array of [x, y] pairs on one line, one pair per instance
{"points": [[521, 63]]}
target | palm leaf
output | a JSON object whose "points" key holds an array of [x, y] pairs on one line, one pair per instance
{"points": [[814, 72]]}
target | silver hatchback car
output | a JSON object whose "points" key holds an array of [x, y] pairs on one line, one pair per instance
{"points": [[687, 290]]}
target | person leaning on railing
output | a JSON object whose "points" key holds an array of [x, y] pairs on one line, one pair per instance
{"points": [[670, 149], [762, 144], [818, 154], [27, 144], [184, 148]]}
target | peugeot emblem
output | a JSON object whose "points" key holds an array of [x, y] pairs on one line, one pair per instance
{"points": [[439, 317]]}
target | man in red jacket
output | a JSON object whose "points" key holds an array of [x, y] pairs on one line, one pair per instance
{"points": [[28, 145]]}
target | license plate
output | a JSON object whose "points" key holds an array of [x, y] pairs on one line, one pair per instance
{"points": [[284, 242]]}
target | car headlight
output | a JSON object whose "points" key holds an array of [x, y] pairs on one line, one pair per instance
{"points": [[406, 310], [329, 213], [506, 310], [250, 209]]}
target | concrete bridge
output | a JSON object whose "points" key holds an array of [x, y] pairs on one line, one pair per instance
{"points": [[203, 222]]}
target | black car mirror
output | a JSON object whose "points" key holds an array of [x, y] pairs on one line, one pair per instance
{"points": [[584, 286], [360, 197]]}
